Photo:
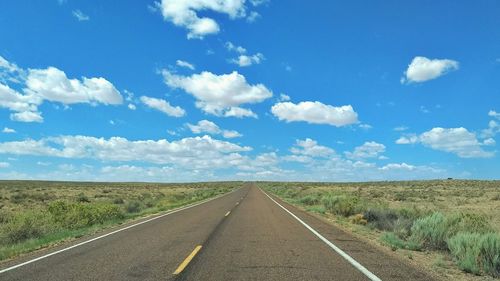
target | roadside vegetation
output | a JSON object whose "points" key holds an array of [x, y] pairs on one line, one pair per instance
{"points": [[452, 220], [34, 214]]}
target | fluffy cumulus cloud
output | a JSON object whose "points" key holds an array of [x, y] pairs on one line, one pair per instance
{"points": [[184, 13], [205, 126], [243, 59], [7, 130], [246, 60], [454, 140], [321, 163], [196, 152], [309, 147], [369, 149], [51, 84], [163, 106], [220, 95], [315, 113], [422, 69]]}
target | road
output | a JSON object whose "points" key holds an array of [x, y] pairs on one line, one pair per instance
{"points": [[243, 235]]}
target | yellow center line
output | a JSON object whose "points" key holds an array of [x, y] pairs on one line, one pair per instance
{"points": [[227, 214], [185, 263]]}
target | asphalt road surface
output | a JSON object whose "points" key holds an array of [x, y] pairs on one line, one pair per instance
{"points": [[244, 235]]}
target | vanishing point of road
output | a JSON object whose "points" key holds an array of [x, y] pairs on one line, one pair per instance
{"points": [[242, 235]]}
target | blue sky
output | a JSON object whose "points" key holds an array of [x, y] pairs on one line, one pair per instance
{"points": [[219, 90]]}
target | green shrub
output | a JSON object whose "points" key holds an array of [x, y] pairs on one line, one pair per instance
{"points": [[382, 219], [464, 248], [82, 198], [18, 198], [393, 241], [430, 232], [489, 253], [118, 200], [78, 215], [311, 199], [433, 231], [24, 226], [133, 206], [341, 204]]}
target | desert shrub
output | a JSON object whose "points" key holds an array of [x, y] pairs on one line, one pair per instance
{"points": [[42, 196], [17, 198], [291, 192], [468, 222], [381, 218], [82, 198], [118, 200], [24, 226], [434, 230], [489, 254], [316, 209], [133, 206], [393, 241], [78, 215], [464, 248], [343, 205], [311, 199], [430, 232], [359, 219]]}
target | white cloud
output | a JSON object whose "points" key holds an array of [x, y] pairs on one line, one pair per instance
{"points": [[309, 147], [422, 69], [494, 114], [231, 47], [163, 106], [185, 64], [365, 126], [229, 134], [369, 149], [489, 142], [80, 16], [244, 60], [253, 16], [27, 116], [220, 95], [408, 139], [239, 112], [51, 84], [454, 140], [7, 130], [396, 166], [196, 152], [205, 126], [131, 106], [284, 97], [492, 130], [184, 14], [4, 165], [315, 113]]}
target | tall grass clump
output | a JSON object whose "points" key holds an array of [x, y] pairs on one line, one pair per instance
{"points": [[343, 205], [24, 226], [476, 253], [433, 231]]}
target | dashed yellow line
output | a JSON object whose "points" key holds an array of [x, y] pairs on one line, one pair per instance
{"points": [[227, 214], [185, 263]]}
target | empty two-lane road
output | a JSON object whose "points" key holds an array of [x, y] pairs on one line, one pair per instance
{"points": [[244, 235]]}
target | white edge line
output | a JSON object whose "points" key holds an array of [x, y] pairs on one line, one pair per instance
{"points": [[113, 232], [343, 254]]}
